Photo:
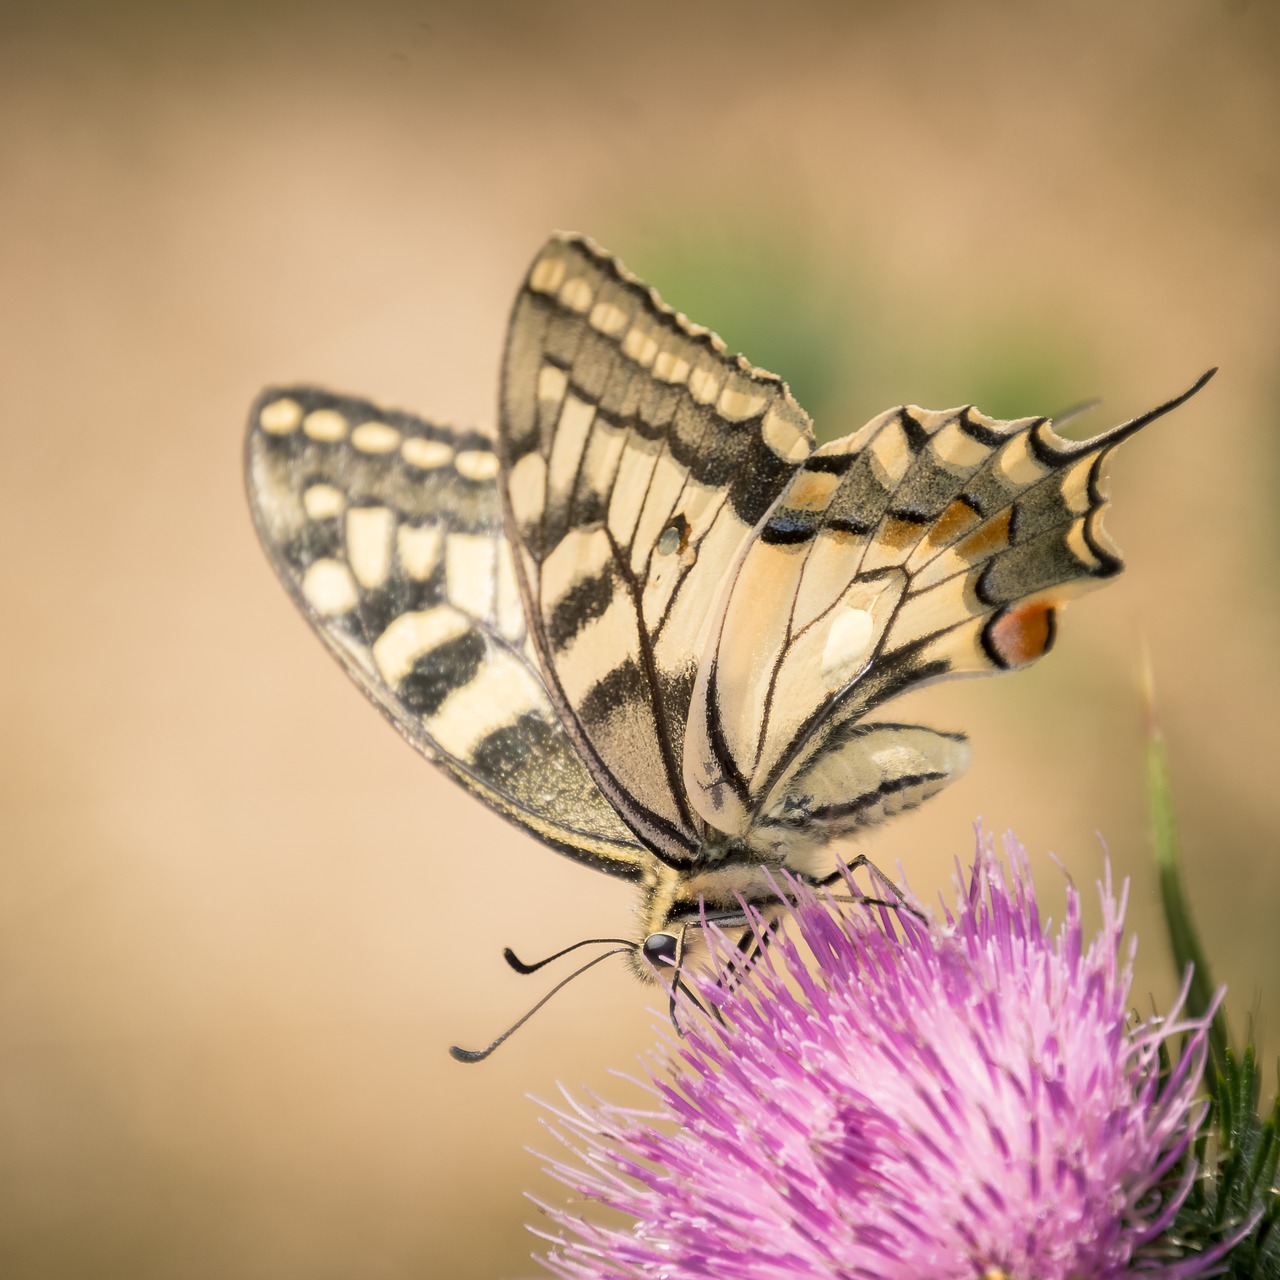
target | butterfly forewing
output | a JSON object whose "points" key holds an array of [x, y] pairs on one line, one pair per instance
{"points": [[387, 532], [638, 457]]}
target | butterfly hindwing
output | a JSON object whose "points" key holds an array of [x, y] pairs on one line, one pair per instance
{"points": [[387, 532], [925, 545], [638, 457]]}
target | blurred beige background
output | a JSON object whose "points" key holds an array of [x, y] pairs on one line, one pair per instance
{"points": [[239, 921]]}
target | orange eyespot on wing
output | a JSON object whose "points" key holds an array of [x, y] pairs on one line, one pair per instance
{"points": [[1019, 636]]}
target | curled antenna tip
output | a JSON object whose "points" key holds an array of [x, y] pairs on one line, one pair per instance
{"points": [[479, 1055], [516, 963], [524, 966]]}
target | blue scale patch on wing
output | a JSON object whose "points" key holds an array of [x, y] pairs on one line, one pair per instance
{"points": [[387, 531]]}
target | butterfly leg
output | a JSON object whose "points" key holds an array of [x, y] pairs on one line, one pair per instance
{"points": [[895, 902], [750, 948], [679, 985]]}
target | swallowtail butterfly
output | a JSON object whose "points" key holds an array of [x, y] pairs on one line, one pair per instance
{"points": [[650, 620]]}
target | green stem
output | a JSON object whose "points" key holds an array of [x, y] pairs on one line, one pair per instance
{"points": [[1183, 938]]}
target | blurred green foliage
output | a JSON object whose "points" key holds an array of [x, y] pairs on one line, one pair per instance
{"points": [[847, 348], [768, 296], [1234, 1199]]}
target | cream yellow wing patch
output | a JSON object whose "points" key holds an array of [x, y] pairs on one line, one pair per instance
{"points": [[925, 545], [387, 532], [637, 457]]}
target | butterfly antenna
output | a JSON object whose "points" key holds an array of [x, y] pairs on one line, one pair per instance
{"points": [[479, 1055], [521, 966]]}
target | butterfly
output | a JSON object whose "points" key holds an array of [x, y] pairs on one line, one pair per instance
{"points": [[650, 620]]}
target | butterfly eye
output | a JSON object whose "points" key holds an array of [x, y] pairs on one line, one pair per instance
{"points": [[660, 948]]}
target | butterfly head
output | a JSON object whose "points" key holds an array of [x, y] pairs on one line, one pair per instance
{"points": [[659, 950], [679, 902]]}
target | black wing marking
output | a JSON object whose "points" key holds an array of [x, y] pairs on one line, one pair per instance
{"points": [[637, 458], [387, 532], [925, 545]]}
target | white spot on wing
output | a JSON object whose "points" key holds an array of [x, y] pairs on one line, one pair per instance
{"points": [[890, 453], [570, 440], [705, 384], [577, 294], [552, 383], [329, 588], [956, 449], [412, 636], [527, 487], [500, 692], [606, 317], [326, 425], [786, 433], [469, 570], [1075, 486], [848, 643], [1018, 465], [369, 531], [739, 401], [280, 417], [477, 464], [640, 345], [856, 441], [511, 622], [323, 502], [418, 550], [375, 437], [670, 366], [425, 454], [546, 275], [1079, 546]]}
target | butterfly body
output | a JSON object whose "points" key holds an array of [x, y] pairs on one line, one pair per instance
{"points": [[650, 620]]}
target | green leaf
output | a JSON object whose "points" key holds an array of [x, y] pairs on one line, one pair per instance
{"points": [[1235, 1199]]}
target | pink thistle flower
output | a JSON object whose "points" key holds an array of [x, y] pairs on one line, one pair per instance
{"points": [[963, 1098]]}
